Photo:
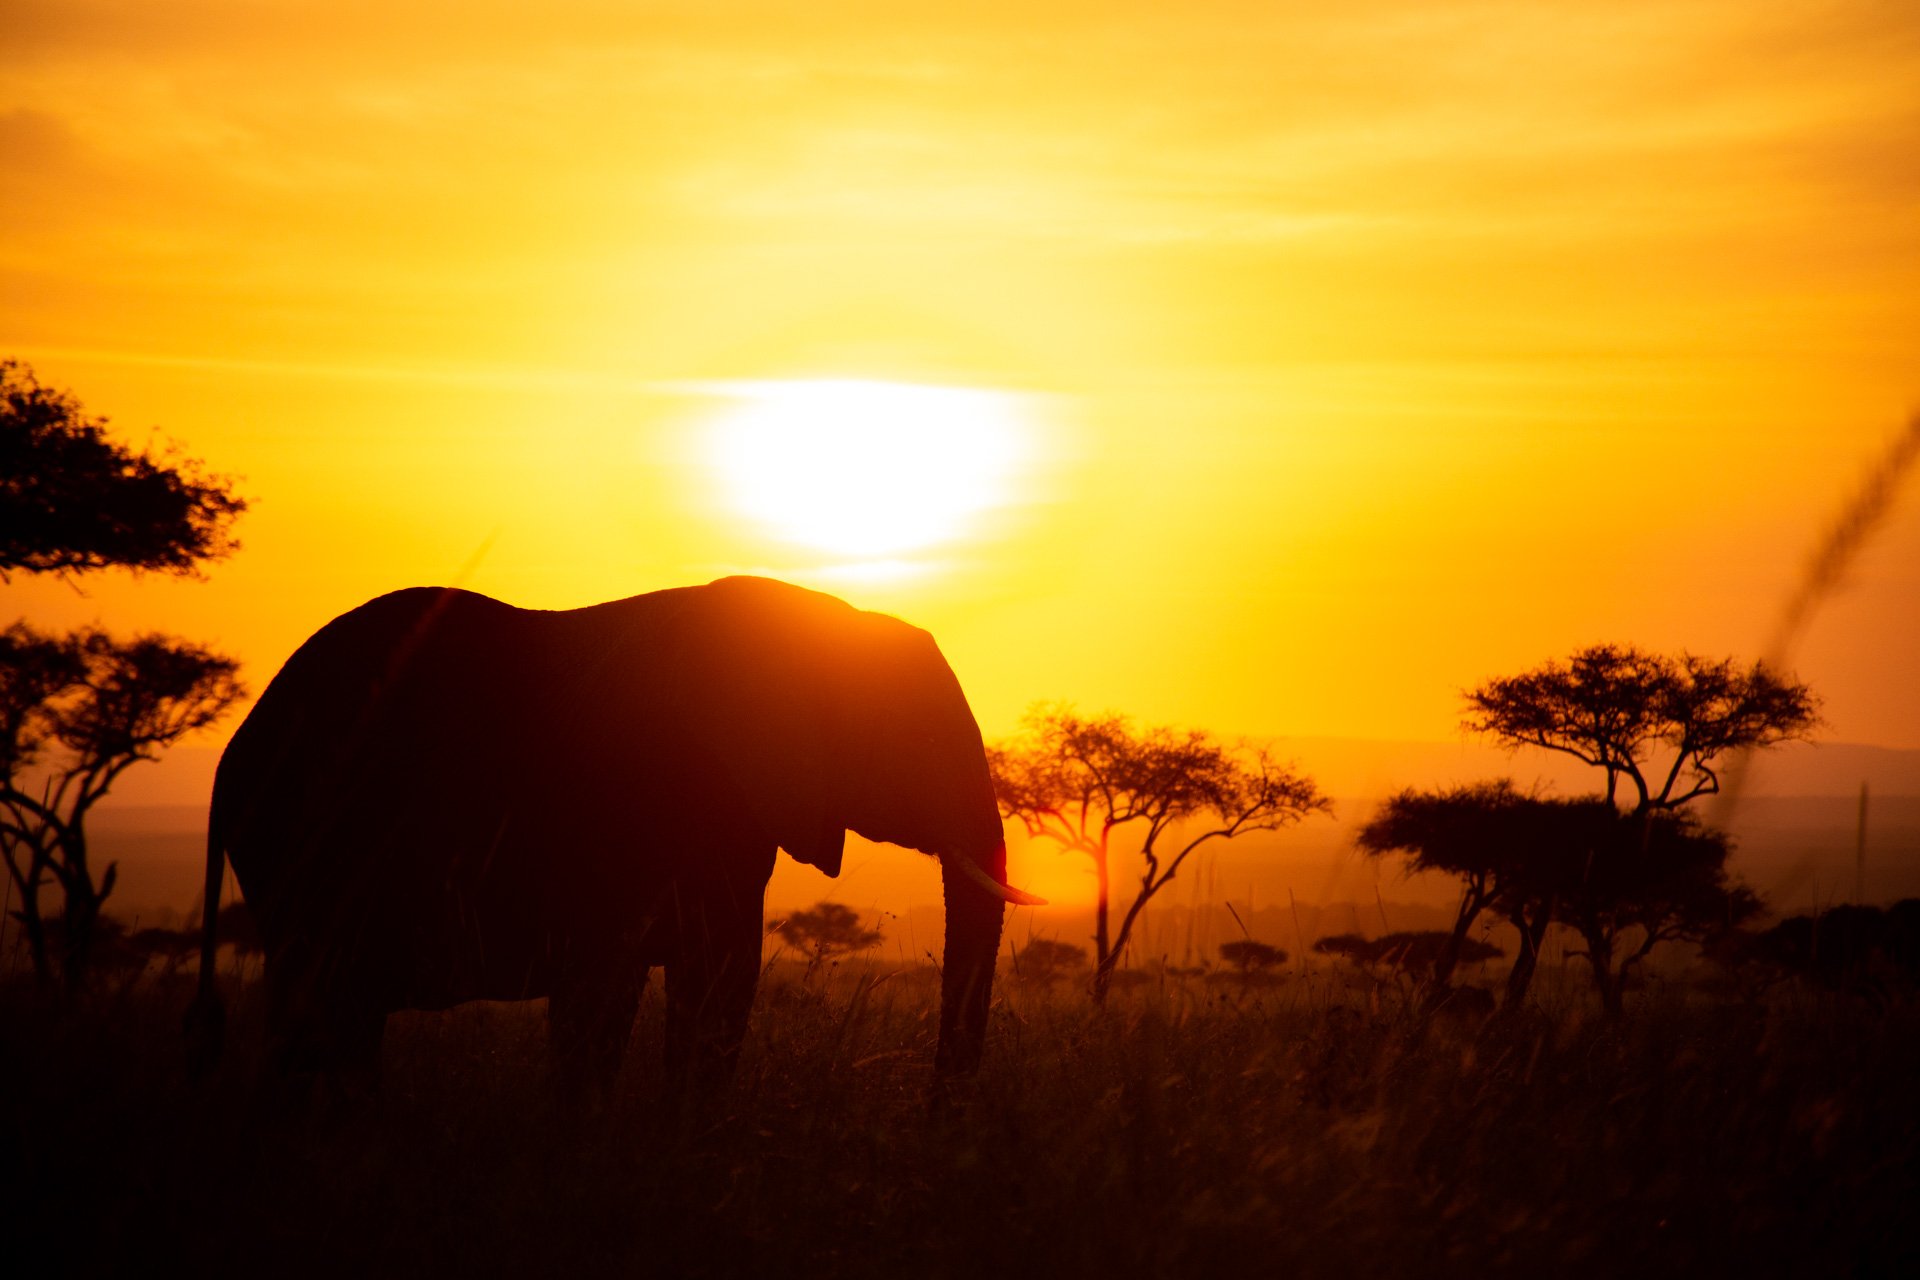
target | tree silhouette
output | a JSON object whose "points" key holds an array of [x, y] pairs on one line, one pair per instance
{"points": [[1581, 862], [1251, 957], [1845, 948], [72, 500], [1663, 724], [1664, 876], [1616, 707], [101, 705], [112, 944], [825, 930], [1351, 945], [1044, 961], [1076, 779], [1488, 836], [1418, 952]]}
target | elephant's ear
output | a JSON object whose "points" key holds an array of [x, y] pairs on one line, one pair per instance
{"points": [[752, 674]]}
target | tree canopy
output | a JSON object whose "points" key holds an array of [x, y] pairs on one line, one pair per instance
{"points": [[76, 711], [73, 500], [1045, 960], [1581, 862], [825, 930], [1499, 843], [1416, 951], [1617, 707], [1664, 874], [1076, 779], [1250, 957]]}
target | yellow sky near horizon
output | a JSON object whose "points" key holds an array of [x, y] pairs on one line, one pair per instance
{"points": [[1372, 350]]}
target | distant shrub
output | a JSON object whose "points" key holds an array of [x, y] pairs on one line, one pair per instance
{"points": [[1414, 951], [1044, 961], [1351, 945], [118, 947], [825, 930], [1250, 957], [1846, 948]]}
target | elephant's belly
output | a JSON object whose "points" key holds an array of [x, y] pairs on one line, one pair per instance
{"points": [[440, 978], [506, 946], [427, 922]]}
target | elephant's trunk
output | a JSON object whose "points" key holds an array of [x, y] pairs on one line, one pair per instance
{"points": [[974, 915]]}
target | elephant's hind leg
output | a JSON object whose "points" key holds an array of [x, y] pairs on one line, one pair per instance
{"points": [[588, 1022], [322, 1043]]}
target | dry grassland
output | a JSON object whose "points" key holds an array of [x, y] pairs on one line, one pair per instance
{"points": [[1315, 1127]]}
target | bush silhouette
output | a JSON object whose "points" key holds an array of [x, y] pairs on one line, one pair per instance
{"points": [[1846, 948], [1044, 961], [825, 930], [1415, 951], [1251, 957]]}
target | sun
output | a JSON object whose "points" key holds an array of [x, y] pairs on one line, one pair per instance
{"points": [[864, 468]]}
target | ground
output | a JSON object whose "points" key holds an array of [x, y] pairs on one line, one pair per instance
{"points": [[1314, 1127]]}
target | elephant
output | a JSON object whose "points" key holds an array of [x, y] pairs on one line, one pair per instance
{"points": [[443, 798]]}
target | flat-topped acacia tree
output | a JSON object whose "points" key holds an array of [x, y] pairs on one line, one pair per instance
{"points": [[1663, 876], [76, 711], [1495, 841], [1662, 725], [1578, 862], [825, 930], [1076, 779], [1622, 710], [74, 500]]}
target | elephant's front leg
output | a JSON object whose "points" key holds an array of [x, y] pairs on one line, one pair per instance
{"points": [[710, 985], [709, 997], [589, 1017]]}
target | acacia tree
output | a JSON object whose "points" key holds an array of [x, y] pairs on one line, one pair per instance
{"points": [[1663, 724], [74, 500], [1044, 961], [1418, 952], [1619, 708], [1251, 957], [825, 930], [1504, 848], [101, 705], [1579, 862], [1076, 779], [34, 670], [1665, 876]]}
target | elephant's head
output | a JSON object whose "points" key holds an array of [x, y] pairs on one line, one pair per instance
{"points": [[830, 718]]}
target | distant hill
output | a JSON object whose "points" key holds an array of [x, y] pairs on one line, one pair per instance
{"points": [[1365, 768], [1794, 829]]}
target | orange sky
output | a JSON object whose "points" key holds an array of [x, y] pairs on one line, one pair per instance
{"points": [[1373, 349]]}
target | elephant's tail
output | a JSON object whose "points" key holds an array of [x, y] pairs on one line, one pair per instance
{"points": [[206, 1020]]}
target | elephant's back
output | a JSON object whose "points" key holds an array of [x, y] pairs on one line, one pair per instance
{"points": [[369, 664], [392, 716]]}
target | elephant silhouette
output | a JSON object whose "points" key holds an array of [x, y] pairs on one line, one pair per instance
{"points": [[443, 798]]}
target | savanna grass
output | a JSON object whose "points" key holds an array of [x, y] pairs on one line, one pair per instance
{"points": [[1314, 1127]]}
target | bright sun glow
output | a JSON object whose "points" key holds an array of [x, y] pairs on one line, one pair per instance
{"points": [[867, 468]]}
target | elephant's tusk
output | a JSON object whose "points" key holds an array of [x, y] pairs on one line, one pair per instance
{"points": [[971, 869]]}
